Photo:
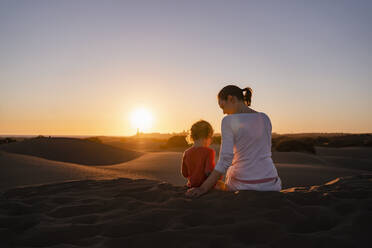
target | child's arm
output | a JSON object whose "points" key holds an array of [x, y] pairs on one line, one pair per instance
{"points": [[183, 167]]}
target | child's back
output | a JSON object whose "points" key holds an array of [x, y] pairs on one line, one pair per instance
{"points": [[197, 163]]}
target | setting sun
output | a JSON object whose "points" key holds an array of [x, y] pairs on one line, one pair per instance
{"points": [[141, 119]]}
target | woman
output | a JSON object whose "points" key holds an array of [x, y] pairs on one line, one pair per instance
{"points": [[245, 153]]}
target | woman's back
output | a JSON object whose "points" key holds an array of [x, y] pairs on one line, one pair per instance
{"points": [[246, 146]]}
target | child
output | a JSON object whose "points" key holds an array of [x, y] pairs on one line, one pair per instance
{"points": [[198, 160]]}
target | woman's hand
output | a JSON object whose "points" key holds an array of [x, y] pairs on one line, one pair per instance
{"points": [[206, 186], [195, 192]]}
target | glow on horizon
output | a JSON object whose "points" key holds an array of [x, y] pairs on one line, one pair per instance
{"points": [[141, 119]]}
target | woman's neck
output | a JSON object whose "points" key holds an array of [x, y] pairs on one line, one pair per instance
{"points": [[242, 108]]}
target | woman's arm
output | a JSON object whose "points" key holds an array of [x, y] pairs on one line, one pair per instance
{"points": [[206, 186], [227, 147]]}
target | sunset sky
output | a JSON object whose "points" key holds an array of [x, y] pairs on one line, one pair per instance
{"points": [[82, 67]]}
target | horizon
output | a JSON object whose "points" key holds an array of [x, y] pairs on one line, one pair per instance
{"points": [[171, 133], [84, 67]]}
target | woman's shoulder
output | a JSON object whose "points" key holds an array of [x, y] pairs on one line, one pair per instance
{"points": [[265, 116], [226, 119], [234, 121]]}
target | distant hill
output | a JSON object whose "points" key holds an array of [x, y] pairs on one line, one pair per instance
{"points": [[71, 150]]}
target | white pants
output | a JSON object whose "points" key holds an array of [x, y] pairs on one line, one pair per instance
{"points": [[234, 185]]}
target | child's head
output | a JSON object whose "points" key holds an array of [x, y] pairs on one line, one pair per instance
{"points": [[201, 131]]}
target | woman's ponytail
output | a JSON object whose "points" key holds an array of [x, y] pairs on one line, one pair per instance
{"points": [[247, 96]]}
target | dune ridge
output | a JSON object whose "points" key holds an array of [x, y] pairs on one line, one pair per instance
{"points": [[72, 150]]}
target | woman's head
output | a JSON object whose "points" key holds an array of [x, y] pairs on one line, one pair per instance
{"points": [[231, 96], [201, 130]]}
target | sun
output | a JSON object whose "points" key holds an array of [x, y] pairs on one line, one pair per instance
{"points": [[141, 119]]}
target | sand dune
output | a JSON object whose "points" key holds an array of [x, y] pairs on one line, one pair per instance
{"points": [[347, 157], [358, 158], [297, 158], [17, 170], [72, 150], [306, 175], [164, 166], [144, 213], [350, 152], [350, 163]]}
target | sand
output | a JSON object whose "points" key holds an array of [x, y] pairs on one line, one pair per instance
{"points": [[295, 169], [72, 150], [350, 152], [347, 157], [18, 170], [297, 158], [145, 213], [141, 203]]}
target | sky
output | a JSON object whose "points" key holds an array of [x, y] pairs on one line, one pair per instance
{"points": [[82, 67]]}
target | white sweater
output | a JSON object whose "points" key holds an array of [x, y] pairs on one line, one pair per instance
{"points": [[245, 152]]}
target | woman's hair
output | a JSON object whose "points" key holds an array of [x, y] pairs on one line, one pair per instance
{"points": [[232, 90], [199, 130]]}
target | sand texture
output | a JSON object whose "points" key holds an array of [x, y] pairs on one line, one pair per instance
{"points": [[145, 213]]}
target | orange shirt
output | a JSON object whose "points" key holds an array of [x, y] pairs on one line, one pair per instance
{"points": [[196, 163]]}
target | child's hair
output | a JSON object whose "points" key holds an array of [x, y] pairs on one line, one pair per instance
{"points": [[199, 130], [233, 90]]}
